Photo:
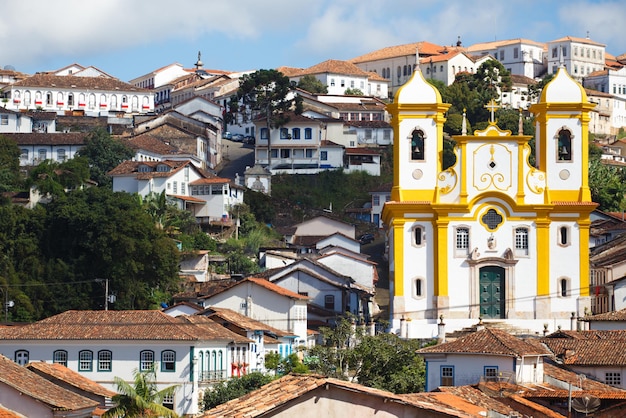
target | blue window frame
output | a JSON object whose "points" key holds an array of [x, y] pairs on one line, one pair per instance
{"points": [[85, 361], [146, 360], [105, 361], [446, 374], [168, 361], [308, 133], [60, 357], [491, 373], [295, 133]]}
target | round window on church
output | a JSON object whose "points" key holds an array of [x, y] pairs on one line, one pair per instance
{"points": [[492, 219]]}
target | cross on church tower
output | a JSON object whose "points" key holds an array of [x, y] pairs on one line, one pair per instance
{"points": [[492, 106]]}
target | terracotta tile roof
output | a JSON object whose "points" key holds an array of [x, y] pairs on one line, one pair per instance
{"points": [[5, 413], [368, 124], [209, 180], [579, 40], [132, 167], [40, 389], [115, 325], [537, 408], [77, 83], [289, 71], [280, 392], [207, 329], [496, 44], [335, 67], [447, 400], [275, 288], [70, 377], [242, 321], [361, 151], [588, 352], [56, 138], [425, 49], [609, 316], [478, 398], [148, 142], [487, 341], [562, 375]]}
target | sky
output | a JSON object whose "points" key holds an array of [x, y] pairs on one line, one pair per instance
{"points": [[130, 38]]}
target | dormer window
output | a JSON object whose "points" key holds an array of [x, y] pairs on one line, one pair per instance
{"points": [[162, 168], [143, 169]]}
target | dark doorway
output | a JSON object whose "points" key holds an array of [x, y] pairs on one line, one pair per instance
{"points": [[492, 292]]}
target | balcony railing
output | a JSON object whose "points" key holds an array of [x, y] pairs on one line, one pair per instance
{"points": [[212, 376]]}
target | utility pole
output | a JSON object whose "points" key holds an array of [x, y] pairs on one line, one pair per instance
{"points": [[106, 292]]}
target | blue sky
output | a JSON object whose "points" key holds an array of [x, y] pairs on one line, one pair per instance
{"points": [[129, 38]]}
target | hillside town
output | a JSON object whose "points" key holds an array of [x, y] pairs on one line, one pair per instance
{"points": [[500, 266]]}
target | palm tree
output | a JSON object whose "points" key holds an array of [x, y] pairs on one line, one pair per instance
{"points": [[142, 399]]}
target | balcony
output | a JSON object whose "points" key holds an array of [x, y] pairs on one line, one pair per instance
{"points": [[212, 376]]}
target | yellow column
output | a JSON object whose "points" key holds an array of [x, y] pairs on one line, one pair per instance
{"points": [[398, 256], [441, 259], [584, 225], [543, 255]]}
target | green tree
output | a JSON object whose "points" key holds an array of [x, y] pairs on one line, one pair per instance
{"points": [[266, 94], [387, 362], [142, 399], [100, 234], [54, 179], [234, 388], [9, 164], [607, 185], [286, 365], [334, 357], [311, 84], [353, 92], [104, 153]]}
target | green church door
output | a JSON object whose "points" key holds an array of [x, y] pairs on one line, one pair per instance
{"points": [[492, 292]]}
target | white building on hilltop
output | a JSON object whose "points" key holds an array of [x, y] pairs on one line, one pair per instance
{"points": [[492, 237]]}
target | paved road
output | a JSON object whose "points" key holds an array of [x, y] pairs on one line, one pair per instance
{"points": [[237, 157]]}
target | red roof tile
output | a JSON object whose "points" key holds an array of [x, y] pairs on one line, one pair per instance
{"points": [[40, 389], [117, 325], [487, 341], [62, 373]]}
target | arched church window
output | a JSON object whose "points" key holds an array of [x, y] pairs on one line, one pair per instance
{"points": [[564, 236], [417, 145], [564, 287], [418, 236], [564, 145]]}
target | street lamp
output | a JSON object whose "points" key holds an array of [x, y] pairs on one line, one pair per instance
{"points": [[7, 303]]}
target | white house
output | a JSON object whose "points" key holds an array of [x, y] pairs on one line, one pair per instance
{"points": [[580, 56], [101, 345], [266, 302], [208, 198], [362, 159], [267, 339], [24, 393], [519, 56], [379, 197], [397, 63], [339, 76], [334, 292], [445, 67], [595, 353], [487, 354], [320, 226], [95, 95], [191, 138], [37, 147], [14, 122]]}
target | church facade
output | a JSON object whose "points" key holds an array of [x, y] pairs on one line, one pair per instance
{"points": [[492, 238]]}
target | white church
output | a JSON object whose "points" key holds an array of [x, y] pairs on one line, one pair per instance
{"points": [[492, 238]]}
